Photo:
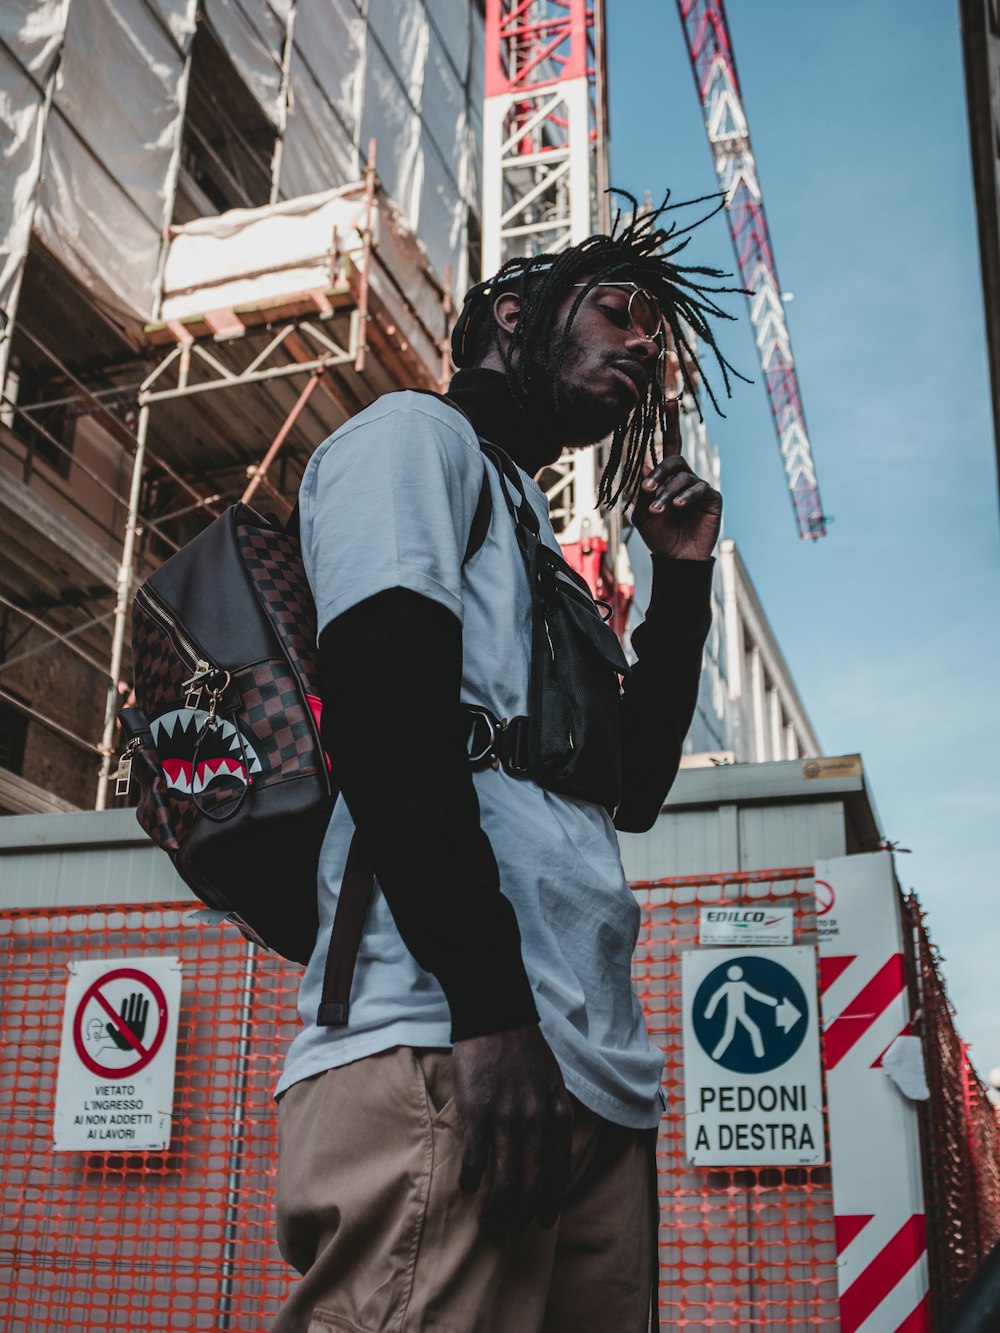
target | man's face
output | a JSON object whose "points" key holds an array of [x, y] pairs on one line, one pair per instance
{"points": [[606, 364]]}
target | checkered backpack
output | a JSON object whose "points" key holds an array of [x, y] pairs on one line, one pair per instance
{"points": [[225, 737]]}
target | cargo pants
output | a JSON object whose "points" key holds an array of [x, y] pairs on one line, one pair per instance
{"points": [[370, 1213]]}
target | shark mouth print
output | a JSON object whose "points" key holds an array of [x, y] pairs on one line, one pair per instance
{"points": [[224, 754]]}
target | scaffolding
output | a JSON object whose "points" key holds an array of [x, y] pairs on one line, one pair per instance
{"points": [[148, 378], [352, 321], [204, 277]]}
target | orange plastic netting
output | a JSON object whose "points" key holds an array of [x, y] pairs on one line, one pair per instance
{"points": [[740, 1248], [182, 1240]]}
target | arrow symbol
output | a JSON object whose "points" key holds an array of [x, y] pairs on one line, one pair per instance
{"points": [[786, 1015]]}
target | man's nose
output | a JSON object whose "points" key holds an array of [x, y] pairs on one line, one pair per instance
{"points": [[643, 349]]}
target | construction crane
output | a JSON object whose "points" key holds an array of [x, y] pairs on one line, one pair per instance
{"points": [[710, 50], [545, 173], [544, 183]]}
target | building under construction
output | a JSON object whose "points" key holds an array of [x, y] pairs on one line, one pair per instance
{"points": [[227, 229], [228, 225]]}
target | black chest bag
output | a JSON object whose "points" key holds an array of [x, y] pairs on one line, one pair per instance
{"points": [[570, 739]]}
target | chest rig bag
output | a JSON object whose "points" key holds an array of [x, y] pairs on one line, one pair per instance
{"points": [[570, 739]]}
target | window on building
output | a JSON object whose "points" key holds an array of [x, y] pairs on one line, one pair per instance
{"points": [[13, 731], [48, 432], [228, 142]]}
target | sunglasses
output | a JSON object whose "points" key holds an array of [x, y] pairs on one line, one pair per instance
{"points": [[646, 319], [643, 310]]}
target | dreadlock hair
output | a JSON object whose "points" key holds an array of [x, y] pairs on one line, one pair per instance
{"points": [[642, 251]]}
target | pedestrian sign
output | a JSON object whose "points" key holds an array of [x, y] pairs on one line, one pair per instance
{"points": [[731, 1018], [753, 1092], [116, 1062]]}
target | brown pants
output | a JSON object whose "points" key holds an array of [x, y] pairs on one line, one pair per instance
{"points": [[370, 1212]]}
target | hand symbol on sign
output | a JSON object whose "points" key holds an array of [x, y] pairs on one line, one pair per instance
{"points": [[134, 1012]]}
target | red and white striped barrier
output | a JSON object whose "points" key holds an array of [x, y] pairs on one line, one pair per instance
{"points": [[874, 1135]]}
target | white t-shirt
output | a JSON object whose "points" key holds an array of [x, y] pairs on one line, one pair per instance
{"points": [[388, 502]]}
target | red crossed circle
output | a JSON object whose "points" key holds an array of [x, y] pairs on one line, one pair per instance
{"points": [[825, 897], [143, 1053]]}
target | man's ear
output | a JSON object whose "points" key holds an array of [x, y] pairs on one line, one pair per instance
{"points": [[507, 311]]}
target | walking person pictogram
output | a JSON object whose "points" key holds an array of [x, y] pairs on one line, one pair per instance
{"points": [[735, 992], [749, 1014]]}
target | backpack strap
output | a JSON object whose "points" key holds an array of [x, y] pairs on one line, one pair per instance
{"points": [[480, 520], [348, 926]]}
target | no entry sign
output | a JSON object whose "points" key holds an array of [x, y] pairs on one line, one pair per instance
{"points": [[116, 1062]]}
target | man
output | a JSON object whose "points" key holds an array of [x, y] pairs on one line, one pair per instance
{"points": [[472, 1152]]}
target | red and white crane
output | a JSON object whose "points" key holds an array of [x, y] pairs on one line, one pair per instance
{"points": [[544, 180], [544, 183], [710, 49]]}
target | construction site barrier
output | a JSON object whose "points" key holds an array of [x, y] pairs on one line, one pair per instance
{"points": [[958, 1131], [183, 1239], [747, 1248]]}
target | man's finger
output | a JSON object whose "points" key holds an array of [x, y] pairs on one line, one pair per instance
{"points": [[536, 1150], [684, 486], [505, 1208], [667, 467], [475, 1158], [672, 431], [556, 1165]]}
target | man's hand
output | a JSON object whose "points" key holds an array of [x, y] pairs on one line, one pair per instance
{"points": [[677, 514], [514, 1106]]}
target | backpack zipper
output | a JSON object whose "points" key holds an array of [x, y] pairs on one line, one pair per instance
{"points": [[200, 666], [203, 670]]}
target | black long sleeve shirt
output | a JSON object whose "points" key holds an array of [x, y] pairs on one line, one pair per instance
{"points": [[392, 669]]}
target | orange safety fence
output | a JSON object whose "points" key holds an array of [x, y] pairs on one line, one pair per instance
{"points": [[182, 1240], [960, 1135], [743, 1248]]}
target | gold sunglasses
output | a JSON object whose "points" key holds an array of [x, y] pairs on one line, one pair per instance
{"points": [[646, 319]]}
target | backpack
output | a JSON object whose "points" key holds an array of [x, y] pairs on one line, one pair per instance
{"points": [[225, 737]]}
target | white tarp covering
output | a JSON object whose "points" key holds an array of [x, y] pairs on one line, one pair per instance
{"points": [[31, 34], [252, 32], [216, 262], [109, 147], [389, 118], [327, 75], [96, 176]]}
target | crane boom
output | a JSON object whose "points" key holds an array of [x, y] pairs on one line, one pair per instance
{"points": [[710, 50]]}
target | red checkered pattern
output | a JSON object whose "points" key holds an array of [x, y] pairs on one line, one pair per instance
{"points": [[274, 562], [276, 722]]}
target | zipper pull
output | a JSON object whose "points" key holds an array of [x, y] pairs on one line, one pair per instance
{"points": [[195, 687], [123, 777]]}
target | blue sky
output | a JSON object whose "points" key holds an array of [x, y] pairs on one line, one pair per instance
{"points": [[891, 623]]}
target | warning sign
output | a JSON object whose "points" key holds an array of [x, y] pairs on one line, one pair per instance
{"points": [[753, 1094], [115, 1088]]}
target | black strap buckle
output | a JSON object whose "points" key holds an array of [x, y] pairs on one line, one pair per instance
{"points": [[497, 740], [484, 732]]}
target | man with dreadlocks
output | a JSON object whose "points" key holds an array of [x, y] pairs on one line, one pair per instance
{"points": [[473, 1150]]}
